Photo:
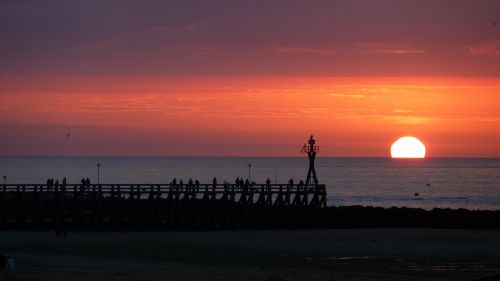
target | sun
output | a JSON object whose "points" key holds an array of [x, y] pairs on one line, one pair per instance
{"points": [[408, 147]]}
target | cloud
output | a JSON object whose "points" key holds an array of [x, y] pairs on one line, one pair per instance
{"points": [[486, 49], [395, 51], [356, 96], [193, 27], [387, 48], [302, 50], [109, 104], [198, 49], [413, 120]]}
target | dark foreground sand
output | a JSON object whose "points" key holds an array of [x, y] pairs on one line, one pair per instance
{"points": [[351, 254]]}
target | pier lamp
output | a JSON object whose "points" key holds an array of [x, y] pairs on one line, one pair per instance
{"points": [[249, 166], [98, 172]]}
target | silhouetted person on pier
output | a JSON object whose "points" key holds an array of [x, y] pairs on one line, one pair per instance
{"points": [[181, 183], [214, 186], [237, 182], [301, 184], [56, 186], [226, 190], [174, 181], [63, 185], [289, 185], [87, 182], [197, 185], [190, 184]]}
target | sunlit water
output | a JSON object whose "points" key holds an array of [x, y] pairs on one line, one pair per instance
{"points": [[447, 182]]}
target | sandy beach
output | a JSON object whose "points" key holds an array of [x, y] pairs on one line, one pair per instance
{"points": [[341, 254]]}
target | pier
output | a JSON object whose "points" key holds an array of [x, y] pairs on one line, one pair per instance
{"points": [[163, 206], [150, 206]]}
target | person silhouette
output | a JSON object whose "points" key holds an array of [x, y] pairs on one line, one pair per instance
{"points": [[197, 185], [214, 185], [190, 184], [48, 184], [63, 185], [301, 184]]}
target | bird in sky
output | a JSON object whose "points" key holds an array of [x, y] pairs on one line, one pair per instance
{"points": [[68, 134]]}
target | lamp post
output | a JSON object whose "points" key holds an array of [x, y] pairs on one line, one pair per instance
{"points": [[249, 166], [98, 172]]}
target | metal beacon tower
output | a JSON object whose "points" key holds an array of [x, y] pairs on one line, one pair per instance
{"points": [[311, 151]]}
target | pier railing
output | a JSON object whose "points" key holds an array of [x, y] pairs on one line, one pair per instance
{"points": [[309, 195]]}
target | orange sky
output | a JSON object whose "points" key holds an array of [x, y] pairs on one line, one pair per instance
{"points": [[232, 77], [153, 115]]}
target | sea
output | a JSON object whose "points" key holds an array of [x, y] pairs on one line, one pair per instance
{"points": [[470, 183]]}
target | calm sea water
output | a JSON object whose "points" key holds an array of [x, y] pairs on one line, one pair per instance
{"points": [[447, 182]]}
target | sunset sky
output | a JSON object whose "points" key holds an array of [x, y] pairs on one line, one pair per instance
{"points": [[251, 78]]}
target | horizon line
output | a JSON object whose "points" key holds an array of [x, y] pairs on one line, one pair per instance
{"points": [[240, 156]]}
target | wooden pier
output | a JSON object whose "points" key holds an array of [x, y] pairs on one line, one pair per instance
{"points": [[165, 206], [158, 206]]}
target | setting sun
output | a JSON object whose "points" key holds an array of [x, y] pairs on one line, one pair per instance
{"points": [[408, 147]]}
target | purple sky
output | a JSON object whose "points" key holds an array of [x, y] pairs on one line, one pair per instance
{"points": [[206, 38]]}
